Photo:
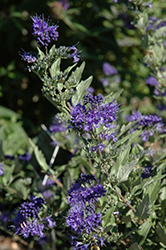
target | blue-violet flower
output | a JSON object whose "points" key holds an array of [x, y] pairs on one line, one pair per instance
{"points": [[82, 216], [43, 30], [27, 221]]}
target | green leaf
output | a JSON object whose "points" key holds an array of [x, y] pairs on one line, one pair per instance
{"points": [[8, 113], [16, 139], [81, 27], [107, 229], [144, 43], [144, 208], [80, 90], [20, 186], [122, 158], [153, 190], [52, 50], [67, 180], [41, 54], [125, 170], [60, 86], [1, 150], [39, 157], [109, 98], [143, 231], [60, 108], [108, 218], [158, 52], [163, 193], [7, 176], [77, 74], [123, 140], [67, 71], [55, 67], [134, 246], [161, 234]]}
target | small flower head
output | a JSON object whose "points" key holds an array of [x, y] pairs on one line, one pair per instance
{"points": [[57, 126], [45, 32], [152, 81], [82, 216], [27, 57], [74, 55], [25, 157], [1, 169], [90, 90], [65, 4], [109, 70], [147, 171], [93, 113], [147, 122], [27, 221], [105, 82]]}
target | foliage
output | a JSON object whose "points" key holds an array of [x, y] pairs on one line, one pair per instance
{"points": [[91, 180]]}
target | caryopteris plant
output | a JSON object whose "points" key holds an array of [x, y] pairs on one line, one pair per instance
{"points": [[111, 192]]}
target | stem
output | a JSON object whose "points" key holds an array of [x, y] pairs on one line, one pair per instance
{"points": [[123, 199], [46, 50], [69, 105]]}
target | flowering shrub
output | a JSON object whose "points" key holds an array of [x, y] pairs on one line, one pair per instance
{"points": [[109, 190]]}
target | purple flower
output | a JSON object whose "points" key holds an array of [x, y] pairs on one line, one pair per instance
{"points": [[90, 90], [25, 157], [152, 81], [150, 5], [51, 223], [1, 169], [43, 30], [109, 70], [154, 23], [146, 122], [82, 216], [65, 4], [147, 171], [27, 221], [75, 53], [47, 194], [50, 182], [57, 126], [105, 82], [99, 146], [93, 113], [27, 57]]}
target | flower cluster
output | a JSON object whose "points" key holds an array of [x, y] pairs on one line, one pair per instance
{"points": [[158, 91], [27, 57], [147, 171], [27, 221], [44, 32], [155, 23], [152, 81], [147, 122], [109, 71], [94, 113], [57, 126], [82, 217], [25, 157], [74, 55]]}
